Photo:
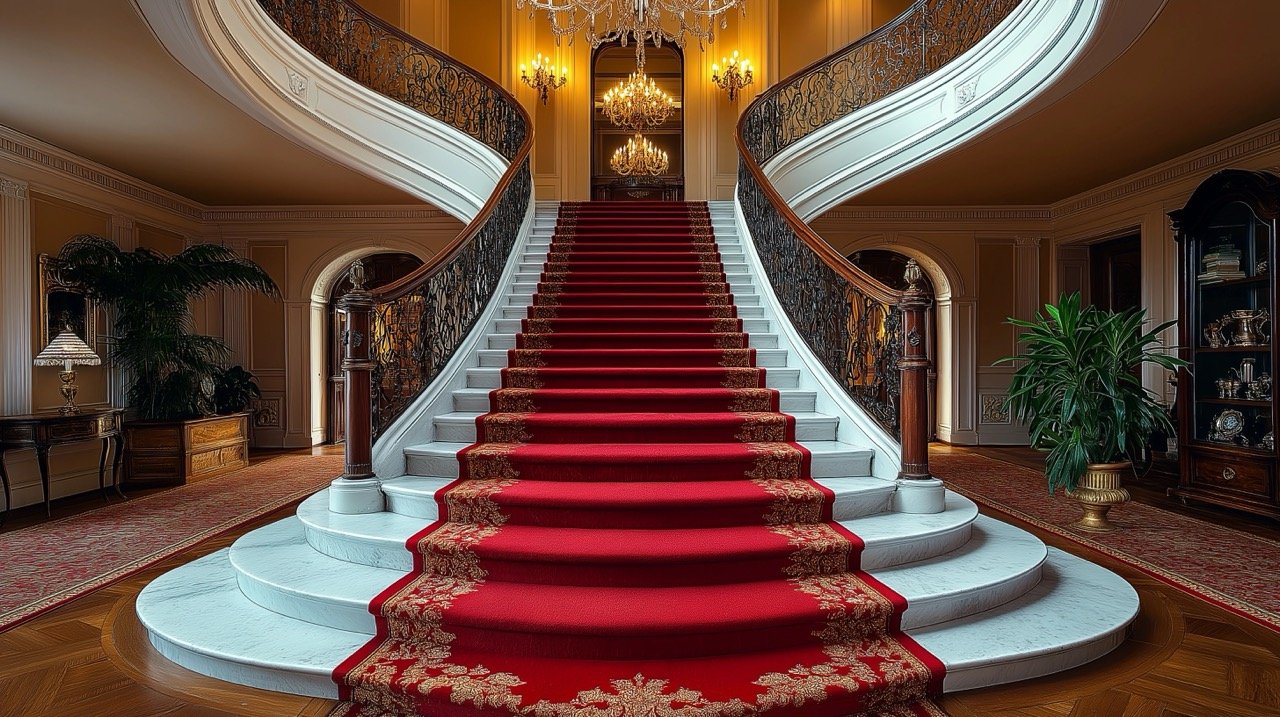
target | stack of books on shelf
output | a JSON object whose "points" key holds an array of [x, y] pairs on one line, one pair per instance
{"points": [[1220, 263]]}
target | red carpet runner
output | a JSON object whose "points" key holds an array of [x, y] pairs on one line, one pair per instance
{"points": [[635, 534]]}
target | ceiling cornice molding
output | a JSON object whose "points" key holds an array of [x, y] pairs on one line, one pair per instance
{"points": [[27, 150], [1194, 164], [941, 214], [33, 152], [260, 214]]}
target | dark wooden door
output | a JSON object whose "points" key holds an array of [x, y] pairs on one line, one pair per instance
{"points": [[1115, 269]]}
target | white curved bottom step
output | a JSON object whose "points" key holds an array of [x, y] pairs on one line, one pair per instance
{"points": [[197, 617]]}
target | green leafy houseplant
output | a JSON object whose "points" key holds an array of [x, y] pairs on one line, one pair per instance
{"points": [[152, 335], [234, 390], [1078, 385]]}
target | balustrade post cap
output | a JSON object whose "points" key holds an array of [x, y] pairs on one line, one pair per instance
{"points": [[914, 275], [358, 275]]}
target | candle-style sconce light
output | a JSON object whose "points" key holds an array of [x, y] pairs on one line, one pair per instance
{"points": [[544, 77], [735, 74]]}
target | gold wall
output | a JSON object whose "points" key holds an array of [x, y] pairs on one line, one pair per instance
{"points": [[777, 36]]}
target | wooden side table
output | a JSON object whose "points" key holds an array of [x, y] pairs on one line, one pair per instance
{"points": [[41, 431]]}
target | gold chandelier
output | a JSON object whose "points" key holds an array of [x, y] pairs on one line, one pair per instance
{"points": [[637, 103], [639, 157], [641, 21]]}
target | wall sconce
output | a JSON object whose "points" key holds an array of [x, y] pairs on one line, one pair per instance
{"points": [[544, 77], [735, 76]]}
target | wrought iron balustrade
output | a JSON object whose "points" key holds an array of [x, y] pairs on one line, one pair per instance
{"points": [[867, 335], [385, 59], [400, 336]]}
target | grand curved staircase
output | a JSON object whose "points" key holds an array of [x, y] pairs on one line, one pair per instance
{"points": [[627, 484], [286, 604]]}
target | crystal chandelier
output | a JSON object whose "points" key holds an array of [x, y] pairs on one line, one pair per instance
{"points": [[641, 21], [637, 103], [638, 157]]}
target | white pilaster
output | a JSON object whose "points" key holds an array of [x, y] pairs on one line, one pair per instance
{"points": [[16, 269], [235, 313]]}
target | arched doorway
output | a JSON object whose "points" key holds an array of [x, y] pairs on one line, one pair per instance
{"points": [[382, 268], [610, 65], [889, 268]]}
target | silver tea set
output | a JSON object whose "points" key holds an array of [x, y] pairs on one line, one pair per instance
{"points": [[1256, 387], [1242, 327]]}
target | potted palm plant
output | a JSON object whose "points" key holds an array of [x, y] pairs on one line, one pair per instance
{"points": [[1078, 388], [171, 372]]}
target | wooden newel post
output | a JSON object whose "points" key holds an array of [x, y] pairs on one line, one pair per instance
{"points": [[914, 407], [357, 370]]}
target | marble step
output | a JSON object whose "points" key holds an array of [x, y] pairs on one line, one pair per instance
{"points": [[460, 426], [378, 539], [1077, 613], [748, 298], [767, 358], [486, 377], [790, 400], [528, 284], [277, 569], [415, 495], [196, 616], [756, 341], [829, 459], [521, 312], [533, 266], [513, 326]]}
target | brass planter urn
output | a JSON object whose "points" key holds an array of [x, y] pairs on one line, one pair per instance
{"points": [[1097, 491]]}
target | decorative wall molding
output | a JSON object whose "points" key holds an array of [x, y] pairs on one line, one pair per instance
{"points": [[30, 151], [235, 215], [13, 188], [1192, 165], [940, 214], [994, 409]]}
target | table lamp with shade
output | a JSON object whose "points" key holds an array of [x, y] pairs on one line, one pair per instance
{"points": [[68, 350]]}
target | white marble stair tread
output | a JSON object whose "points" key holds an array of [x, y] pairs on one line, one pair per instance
{"points": [[829, 459], [757, 341], [745, 312], [376, 539], [278, 569], [523, 299], [285, 575], [1077, 613], [512, 326], [790, 400], [898, 538], [461, 426], [491, 377], [998, 563], [188, 612], [414, 495], [766, 358]]}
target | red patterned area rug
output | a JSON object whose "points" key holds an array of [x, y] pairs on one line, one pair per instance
{"points": [[47, 564], [636, 533], [1235, 570]]}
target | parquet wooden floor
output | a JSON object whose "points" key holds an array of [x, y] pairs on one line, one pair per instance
{"points": [[1184, 658]]}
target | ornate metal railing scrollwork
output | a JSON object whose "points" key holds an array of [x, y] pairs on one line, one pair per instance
{"points": [[385, 59], [418, 325], [926, 36], [401, 335], [867, 335]]}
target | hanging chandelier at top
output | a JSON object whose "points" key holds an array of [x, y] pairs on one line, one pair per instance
{"points": [[641, 21], [637, 103]]}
